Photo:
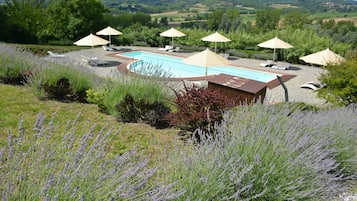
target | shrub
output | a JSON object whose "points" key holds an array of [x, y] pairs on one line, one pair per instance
{"points": [[15, 65], [131, 110], [150, 90], [45, 163], [199, 108], [128, 109], [341, 82], [62, 83], [149, 69], [261, 153], [156, 114], [97, 97], [298, 107], [236, 53]]}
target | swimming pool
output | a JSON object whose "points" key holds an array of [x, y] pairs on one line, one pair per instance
{"points": [[178, 69]]}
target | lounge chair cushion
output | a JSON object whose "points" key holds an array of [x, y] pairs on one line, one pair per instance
{"points": [[267, 63], [174, 50], [51, 54], [166, 48], [281, 66], [107, 48], [312, 85]]}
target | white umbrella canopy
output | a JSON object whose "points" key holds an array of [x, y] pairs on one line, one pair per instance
{"points": [[206, 59], [275, 43], [323, 58], [109, 31], [172, 33], [215, 37], [91, 40]]}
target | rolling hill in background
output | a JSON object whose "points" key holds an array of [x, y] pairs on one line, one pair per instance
{"points": [[160, 6]]}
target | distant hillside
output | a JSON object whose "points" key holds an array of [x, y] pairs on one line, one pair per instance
{"points": [[160, 6]]}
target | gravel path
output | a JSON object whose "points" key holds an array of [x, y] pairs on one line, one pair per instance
{"points": [[303, 73]]}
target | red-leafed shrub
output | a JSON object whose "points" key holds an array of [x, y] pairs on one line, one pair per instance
{"points": [[199, 108]]}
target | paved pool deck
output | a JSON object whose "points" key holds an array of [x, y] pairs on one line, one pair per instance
{"points": [[295, 76]]}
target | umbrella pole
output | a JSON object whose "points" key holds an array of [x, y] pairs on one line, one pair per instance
{"points": [[110, 41], [206, 72], [215, 47], [172, 42], [274, 55]]}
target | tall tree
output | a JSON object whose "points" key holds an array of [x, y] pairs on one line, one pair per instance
{"points": [[214, 19], [295, 20], [230, 20], [25, 18], [71, 19], [4, 25], [267, 20]]}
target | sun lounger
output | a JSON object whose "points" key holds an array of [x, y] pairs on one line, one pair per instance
{"points": [[107, 48], [54, 55], [312, 85], [98, 63], [94, 61], [267, 63], [166, 48], [281, 66], [115, 48], [174, 50]]}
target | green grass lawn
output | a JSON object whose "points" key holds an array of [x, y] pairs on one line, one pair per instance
{"points": [[18, 102]]}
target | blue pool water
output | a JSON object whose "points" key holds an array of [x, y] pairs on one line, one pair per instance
{"points": [[178, 69]]}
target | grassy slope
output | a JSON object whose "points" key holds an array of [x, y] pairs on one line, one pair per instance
{"points": [[19, 101]]}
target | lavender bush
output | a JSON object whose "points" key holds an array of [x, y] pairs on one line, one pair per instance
{"points": [[269, 153], [15, 65], [36, 165]]}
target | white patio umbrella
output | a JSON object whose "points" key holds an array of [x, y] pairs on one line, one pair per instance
{"points": [[172, 33], [275, 43], [323, 58], [91, 40], [215, 37], [206, 59], [109, 31]]}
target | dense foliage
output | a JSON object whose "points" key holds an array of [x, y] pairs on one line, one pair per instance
{"points": [[341, 82]]}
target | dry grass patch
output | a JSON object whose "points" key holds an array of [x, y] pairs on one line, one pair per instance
{"points": [[281, 6], [353, 19]]}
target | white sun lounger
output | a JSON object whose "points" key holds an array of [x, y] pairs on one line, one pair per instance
{"points": [[281, 66], [107, 48], [166, 48], [174, 50], [312, 85], [54, 55], [267, 63]]}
